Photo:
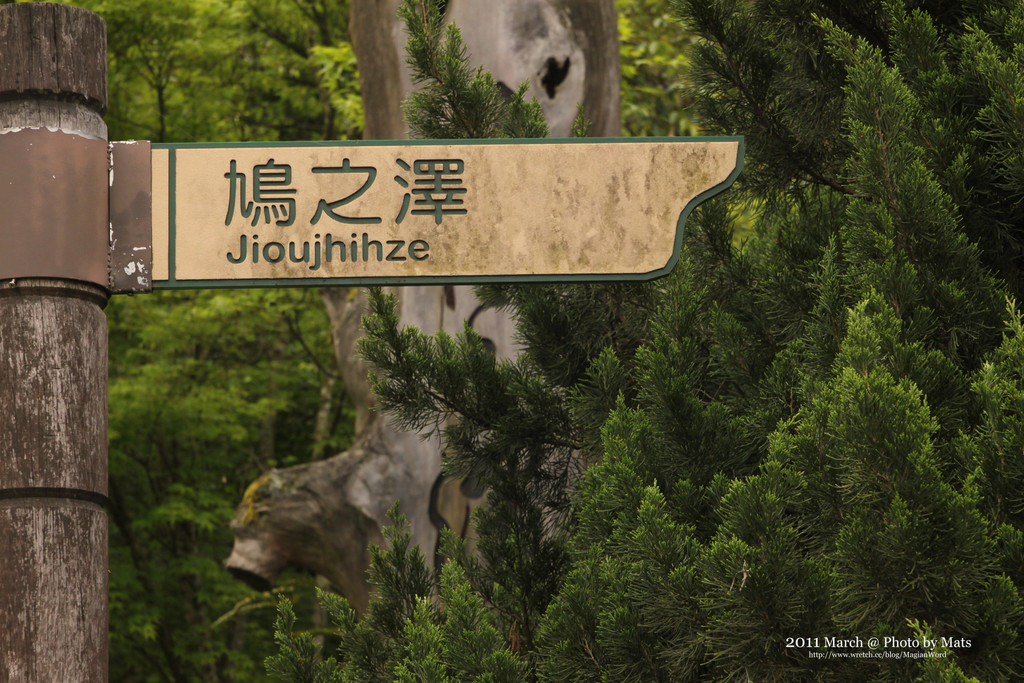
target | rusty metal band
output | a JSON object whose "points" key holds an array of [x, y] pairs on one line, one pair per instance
{"points": [[53, 194], [53, 492], [49, 287], [131, 217]]}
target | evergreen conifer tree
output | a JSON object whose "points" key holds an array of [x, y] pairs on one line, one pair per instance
{"points": [[816, 434]]}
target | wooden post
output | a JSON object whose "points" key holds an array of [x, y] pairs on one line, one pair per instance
{"points": [[53, 347]]}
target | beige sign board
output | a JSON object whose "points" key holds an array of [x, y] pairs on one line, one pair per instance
{"points": [[404, 212]]}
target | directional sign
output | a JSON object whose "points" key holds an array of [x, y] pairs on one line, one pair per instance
{"points": [[244, 215]]}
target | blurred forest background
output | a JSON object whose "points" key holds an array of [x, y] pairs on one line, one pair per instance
{"points": [[208, 389]]}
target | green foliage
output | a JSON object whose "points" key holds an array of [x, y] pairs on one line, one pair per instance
{"points": [[526, 466], [654, 61], [1000, 432], [296, 660], [207, 391], [459, 644], [407, 634], [211, 70], [370, 647], [814, 434]]}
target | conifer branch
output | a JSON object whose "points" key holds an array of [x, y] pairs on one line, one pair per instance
{"points": [[291, 320], [768, 124]]}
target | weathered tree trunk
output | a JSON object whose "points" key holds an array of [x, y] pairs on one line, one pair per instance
{"points": [[320, 516], [568, 51], [53, 346]]}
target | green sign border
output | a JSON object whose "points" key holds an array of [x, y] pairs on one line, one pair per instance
{"points": [[173, 283]]}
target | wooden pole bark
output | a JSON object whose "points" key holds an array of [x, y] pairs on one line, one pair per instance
{"points": [[53, 356]]}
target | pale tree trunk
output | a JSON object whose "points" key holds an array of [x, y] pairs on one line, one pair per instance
{"points": [[321, 516]]}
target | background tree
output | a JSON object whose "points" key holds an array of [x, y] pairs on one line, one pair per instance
{"points": [[207, 70], [191, 418], [655, 54], [282, 520]]}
